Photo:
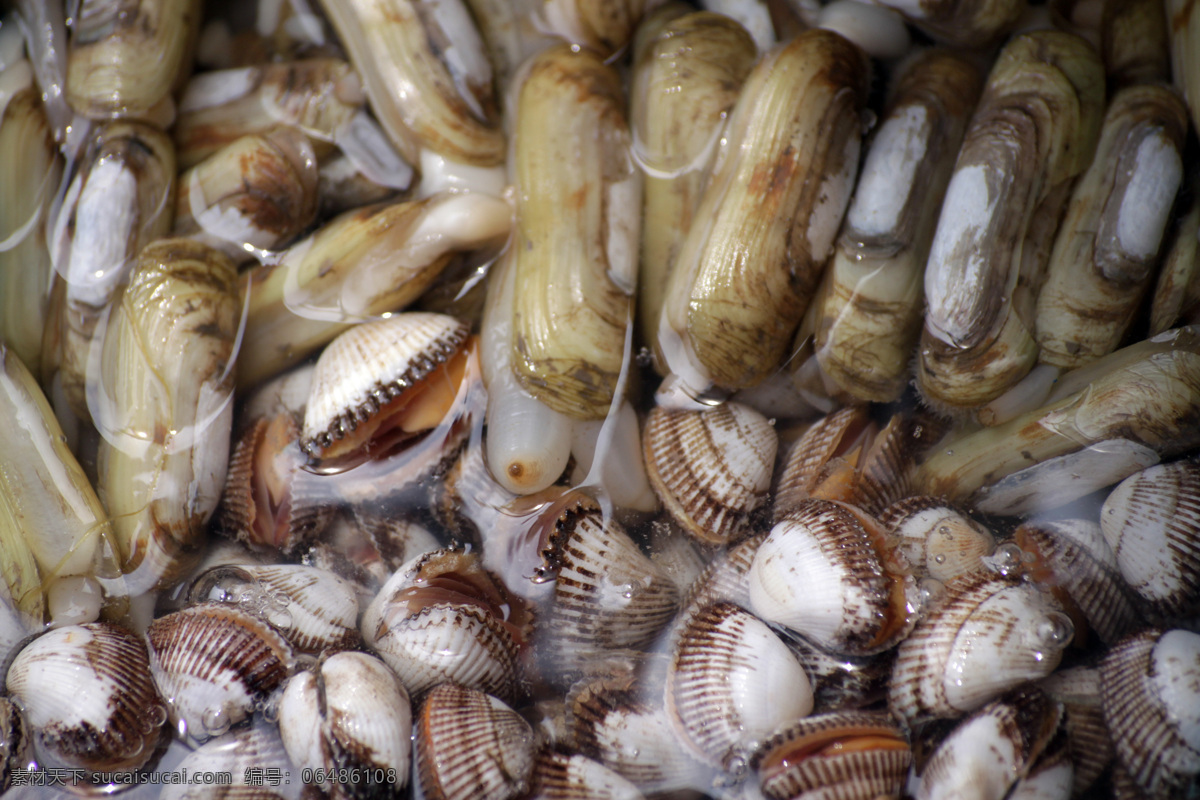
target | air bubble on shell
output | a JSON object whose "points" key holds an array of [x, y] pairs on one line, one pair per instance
{"points": [[216, 721]]}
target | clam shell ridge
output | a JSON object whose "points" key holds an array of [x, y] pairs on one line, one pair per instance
{"points": [[710, 468], [371, 364]]}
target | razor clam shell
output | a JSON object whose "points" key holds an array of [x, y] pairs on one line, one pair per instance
{"points": [[989, 633], [968, 25], [425, 72], [938, 539], [86, 692], [314, 609], [825, 571], [744, 278], [235, 753], [605, 26], [127, 55], [1152, 708], [608, 595], [576, 233], [686, 76], [213, 663], [559, 776], [368, 366], [1033, 132], [1184, 28], [861, 772], [1134, 42], [1151, 520], [871, 302], [1107, 248], [498, 760], [1176, 299], [1073, 559], [711, 469], [29, 158], [166, 412], [731, 681], [350, 713]]}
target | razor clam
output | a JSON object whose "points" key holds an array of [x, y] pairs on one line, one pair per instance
{"points": [[1107, 249], [166, 411], [576, 232], [365, 263], [30, 160], [605, 26], [256, 194], [127, 55], [1184, 28], [608, 456], [1034, 131], [1177, 294], [754, 15], [425, 72], [1135, 405], [320, 96], [686, 76], [879, 31], [968, 25], [120, 198], [870, 301], [744, 278], [212, 664], [349, 713], [86, 693], [1134, 42], [710, 468]]}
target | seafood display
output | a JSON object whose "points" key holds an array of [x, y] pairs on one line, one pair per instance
{"points": [[532, 399]]}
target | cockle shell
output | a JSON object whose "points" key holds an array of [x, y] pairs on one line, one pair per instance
{"points": [[86, 693], [710, 468], [236, 753], [471, 746], [558, 776], [350, 713], [938, 539], [213, 662]]}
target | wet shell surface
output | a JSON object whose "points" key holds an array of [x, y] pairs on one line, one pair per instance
{"points": [[368, 367], [825, 572], [710, 468], [236, 752], [1088, 739], [558, 776], [852, 755], [816, 464], [86, 692], [938, 539], [349, 713], [1152, 522], [213, 662], [1150, 689], [989, 633], [730, 683], [471, 746], [313, 608]]}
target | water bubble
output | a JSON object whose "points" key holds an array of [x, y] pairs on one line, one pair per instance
{"points": [[216, 721], [1006, 560], [940, 558], [279, 619], [1053, 631], [929, 590]]}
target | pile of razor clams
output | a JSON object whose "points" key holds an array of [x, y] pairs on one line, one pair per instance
{"points": [[515, 399]]}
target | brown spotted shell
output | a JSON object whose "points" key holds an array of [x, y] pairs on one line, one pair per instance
{"points": [[368, 366], [848, 755], [711, 469], [213, 663], [471, 746], [86, 692]]}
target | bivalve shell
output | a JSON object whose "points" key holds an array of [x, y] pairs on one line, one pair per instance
{"points": [[213, 663], [938, 539], [351, 713], [852, 755], [827, 572], [235, 754], [1152, 522], [1088, 739], [730, 683], [1150, 685], [710, 468], [86, 693], [471, 746], [989, 633], [558, 776]]}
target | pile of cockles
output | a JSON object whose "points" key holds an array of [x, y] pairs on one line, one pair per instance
{"points": [[513, 399]]}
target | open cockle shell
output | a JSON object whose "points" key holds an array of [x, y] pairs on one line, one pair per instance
{"points": [[368, 367], [711, 468], [86, 692]]}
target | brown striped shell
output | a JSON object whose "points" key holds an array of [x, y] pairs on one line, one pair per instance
{"points": [[987, 634], [847, 755], [1088, 739], [937, 538], [559, 776], [827, 572], [730, 683], [471, 746], [1152, 522], [213, 663], [816, 464], [258, 747], [1150, 689], [16, 743], [711, 469], [368, 367], [86, 692]]}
